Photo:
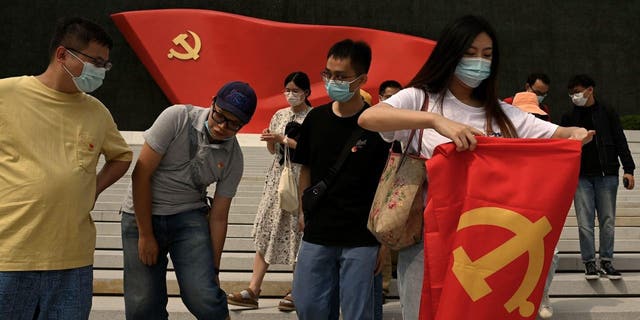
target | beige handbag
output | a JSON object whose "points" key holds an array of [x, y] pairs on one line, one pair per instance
{"points": [[287, 187], [396, 215]]}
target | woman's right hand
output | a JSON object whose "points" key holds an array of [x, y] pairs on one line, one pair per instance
{"points": [[264, 132], [460, 134]]}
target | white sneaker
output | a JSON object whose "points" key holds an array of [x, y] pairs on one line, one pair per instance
{"points": [[546, 310]]}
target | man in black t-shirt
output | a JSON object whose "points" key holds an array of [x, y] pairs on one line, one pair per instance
{"points": [[338, 255]]}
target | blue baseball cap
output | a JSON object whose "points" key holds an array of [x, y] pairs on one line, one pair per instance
{"points": [[238, 98]]}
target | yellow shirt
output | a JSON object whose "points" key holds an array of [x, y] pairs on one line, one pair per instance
{"points": [[49, 147]]}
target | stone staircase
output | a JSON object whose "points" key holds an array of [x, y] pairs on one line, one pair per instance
{"points": [[572, 296]]}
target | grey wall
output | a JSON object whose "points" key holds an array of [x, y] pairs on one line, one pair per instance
{"points": [[560, 38]]}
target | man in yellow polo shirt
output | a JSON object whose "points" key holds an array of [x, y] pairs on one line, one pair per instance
{"points": [[51, 136]]}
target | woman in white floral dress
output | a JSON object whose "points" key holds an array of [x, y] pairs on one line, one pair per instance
{"points": [[275, 231]]}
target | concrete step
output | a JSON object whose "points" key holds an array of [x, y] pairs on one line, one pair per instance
{"points": [[610, 308], [252, 198], [620, 245], [231, 261], [276, 284], [111, 308], [111, 227], [628, 203], [622, 210], [243, 261], [620, 222], [246, 244], [109, 211], [622, 232], [581, 308], [622, 262], [574, 284], [245, 214]]}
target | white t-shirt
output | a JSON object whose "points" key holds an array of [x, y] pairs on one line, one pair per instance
{"points": [[526, 125]]}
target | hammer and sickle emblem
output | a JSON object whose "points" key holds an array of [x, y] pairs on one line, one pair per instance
{"points": [[190, 52], [529, 238]]}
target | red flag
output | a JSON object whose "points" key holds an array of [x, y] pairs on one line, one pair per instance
{"points": [[493, 219], [191, 53]]}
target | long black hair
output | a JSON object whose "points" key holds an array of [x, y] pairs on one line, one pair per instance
{"points": [[301, 80], [436, 74]]}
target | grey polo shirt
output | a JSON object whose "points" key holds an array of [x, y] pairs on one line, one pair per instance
{"points": [[189, 162]]}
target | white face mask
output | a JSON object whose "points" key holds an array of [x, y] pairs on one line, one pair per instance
{"points": [[579, 99], [294, 99]]}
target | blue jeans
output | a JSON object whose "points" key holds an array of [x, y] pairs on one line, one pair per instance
{"points": [[410, 276], [46, 295], [185, 236], [551, 273], [596, 194], [378, 294], [329, 278]]}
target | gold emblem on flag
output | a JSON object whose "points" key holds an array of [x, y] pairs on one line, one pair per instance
{"points": [[529, 238], [190, 52]]}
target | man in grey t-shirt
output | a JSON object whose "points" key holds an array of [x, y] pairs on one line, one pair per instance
{"points": [[165, 212]]}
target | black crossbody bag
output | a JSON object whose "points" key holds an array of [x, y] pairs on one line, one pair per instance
{"points": [[312, 195]]}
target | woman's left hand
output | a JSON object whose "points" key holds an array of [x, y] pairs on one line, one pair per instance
{"points": [[574, 133], [581, 134]]}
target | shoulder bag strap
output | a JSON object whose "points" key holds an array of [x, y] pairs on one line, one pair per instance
{"points": [[346, 150], [425, 105]]}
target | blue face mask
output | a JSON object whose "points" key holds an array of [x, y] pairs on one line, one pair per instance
{"points": [[339, 90], [540, 98], [90, 78], [472, 71], [206, 127]]}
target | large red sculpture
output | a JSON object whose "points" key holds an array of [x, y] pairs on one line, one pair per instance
{"points": [[191, 53]]}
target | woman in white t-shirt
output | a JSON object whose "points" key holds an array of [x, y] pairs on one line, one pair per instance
{"points": [[460, 79]]}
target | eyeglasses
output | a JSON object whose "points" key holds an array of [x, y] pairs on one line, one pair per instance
{"points": [[98, 62], [220, 119], [327, 75]]}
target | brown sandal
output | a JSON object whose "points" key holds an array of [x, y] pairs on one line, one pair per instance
{"points": [[286, 304], [244, 298]]}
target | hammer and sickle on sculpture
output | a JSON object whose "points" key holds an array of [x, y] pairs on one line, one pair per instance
{"points": [[191, 52], [473, 274]]}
